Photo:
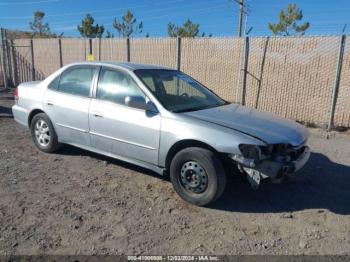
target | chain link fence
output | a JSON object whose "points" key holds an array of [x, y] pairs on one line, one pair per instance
{"points": [[302, 78], [292, 77]]}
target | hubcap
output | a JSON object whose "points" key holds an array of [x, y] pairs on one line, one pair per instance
{"points": [[193, 177], [42, 133]]}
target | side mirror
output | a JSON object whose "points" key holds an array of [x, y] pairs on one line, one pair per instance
{"points": [[151, 108], [136, 102]]}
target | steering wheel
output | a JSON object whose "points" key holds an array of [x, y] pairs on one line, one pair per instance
{"points": [[184, 95]]}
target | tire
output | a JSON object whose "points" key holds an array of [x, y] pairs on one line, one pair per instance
{"points": [[197, 175], [43, 133]]}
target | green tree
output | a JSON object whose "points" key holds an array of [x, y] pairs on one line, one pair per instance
{"points": [[188, 29], [88, 29], [129, 25], [109, 34], [288, 22], [39, 28]]}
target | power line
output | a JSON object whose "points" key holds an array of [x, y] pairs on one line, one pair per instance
{"points": [[198, 11], [209, 5], [90, 11], [99, 19], [29, 3], [67, 25]]}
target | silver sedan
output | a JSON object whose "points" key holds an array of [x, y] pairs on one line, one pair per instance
{"points": [[160, 119]]}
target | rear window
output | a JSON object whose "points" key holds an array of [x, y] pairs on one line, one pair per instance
{"points": [[77, 81]]}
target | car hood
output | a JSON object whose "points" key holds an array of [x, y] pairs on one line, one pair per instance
{"points": [[265, 126]]}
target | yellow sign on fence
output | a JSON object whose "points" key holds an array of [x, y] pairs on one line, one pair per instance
{"points": [[90, 57]]}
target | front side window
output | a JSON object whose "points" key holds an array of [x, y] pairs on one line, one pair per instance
{"points": [[77, 81], [116, 86], [177, 91]]}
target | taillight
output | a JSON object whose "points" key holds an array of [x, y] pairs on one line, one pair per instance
{"points": [[15, 94]]}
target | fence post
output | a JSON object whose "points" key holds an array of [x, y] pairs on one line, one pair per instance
{"points": [[90, 46], [99, 49], [2, 68], [9, 61], [15, 71], [336, 82], [128, 49], [32, 54], [245, 67], [3, 57], [60, 51], [178, 53]]}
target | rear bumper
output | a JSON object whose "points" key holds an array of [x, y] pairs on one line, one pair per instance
{"points": [[20, 115]]}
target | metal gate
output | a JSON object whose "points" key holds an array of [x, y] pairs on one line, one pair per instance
{"points": [[15, 67]]}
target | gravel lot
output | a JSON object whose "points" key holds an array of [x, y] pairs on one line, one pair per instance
{"points": [[77, 202]]}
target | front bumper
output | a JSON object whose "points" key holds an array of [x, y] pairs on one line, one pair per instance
{"points": [[301, 161], [276, 169]]}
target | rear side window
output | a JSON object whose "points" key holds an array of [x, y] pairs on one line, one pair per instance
{"points": [[115, 86], [77, 81]]}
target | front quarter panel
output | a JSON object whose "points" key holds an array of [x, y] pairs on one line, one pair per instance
{"points": [[178, 127]]}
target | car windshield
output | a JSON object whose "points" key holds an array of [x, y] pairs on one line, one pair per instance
{"points": [[177, 91]]}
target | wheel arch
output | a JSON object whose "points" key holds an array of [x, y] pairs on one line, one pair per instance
{"points": [[182, 144], [33, 113]]}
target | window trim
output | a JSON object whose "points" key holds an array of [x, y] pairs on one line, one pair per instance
{"points": [[54, 89], [94, 67]]}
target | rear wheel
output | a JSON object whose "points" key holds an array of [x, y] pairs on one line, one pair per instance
{"points": [[197, 175], [43, 133]]}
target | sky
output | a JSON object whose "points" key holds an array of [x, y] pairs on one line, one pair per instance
{"points": [[216, 17]]}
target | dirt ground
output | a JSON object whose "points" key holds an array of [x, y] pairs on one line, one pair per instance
{"points": [[77, 202]]}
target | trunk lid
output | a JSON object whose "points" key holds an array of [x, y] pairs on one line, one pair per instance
{"points": [[30, 84]]}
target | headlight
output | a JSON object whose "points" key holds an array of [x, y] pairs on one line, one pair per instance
{"points": [[250, 151]]}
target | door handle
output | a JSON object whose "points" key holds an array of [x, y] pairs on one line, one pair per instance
{"points": [[49, 103], [97, 114]]}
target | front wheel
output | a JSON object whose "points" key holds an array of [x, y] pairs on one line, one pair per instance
{"points": [[197, 175], [43, 133]]}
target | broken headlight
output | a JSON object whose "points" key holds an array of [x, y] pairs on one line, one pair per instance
{"points": [[250, 151]]}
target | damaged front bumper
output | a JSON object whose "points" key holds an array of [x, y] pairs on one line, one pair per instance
{"points": [[275, 167]]}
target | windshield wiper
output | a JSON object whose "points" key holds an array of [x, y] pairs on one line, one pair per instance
{"points": [[195, 108], [185, 110]]}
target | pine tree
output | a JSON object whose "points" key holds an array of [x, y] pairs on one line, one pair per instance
{"points": [[39, 28], [188, 29], [129, 25], [288, 22], [88, 29]]}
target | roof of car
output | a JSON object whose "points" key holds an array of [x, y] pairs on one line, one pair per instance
{"points": [[126, 65]]}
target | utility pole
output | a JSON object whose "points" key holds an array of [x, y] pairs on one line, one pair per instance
{"points": [[241, 5], [241, 13]]}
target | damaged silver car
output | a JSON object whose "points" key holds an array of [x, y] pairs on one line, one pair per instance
{"points": [[160, 119]]}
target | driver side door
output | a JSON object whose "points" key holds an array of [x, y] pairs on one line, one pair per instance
{"points": [[117, 127]]}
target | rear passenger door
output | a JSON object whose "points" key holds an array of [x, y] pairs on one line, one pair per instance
{"points": [[67, 102]]}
